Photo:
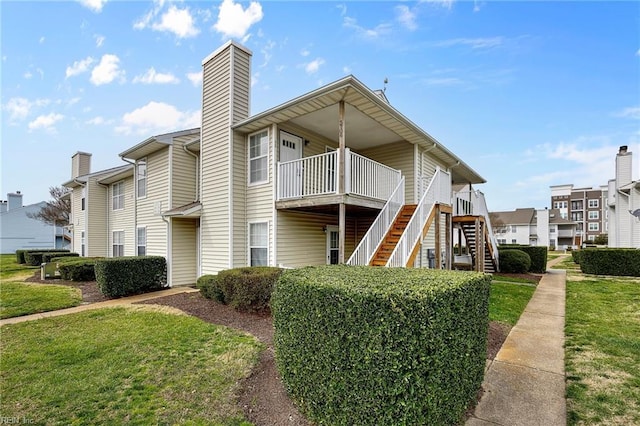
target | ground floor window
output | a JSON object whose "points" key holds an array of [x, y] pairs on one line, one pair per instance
{"points": [[142, 241], [259, 244], [118, 243]]}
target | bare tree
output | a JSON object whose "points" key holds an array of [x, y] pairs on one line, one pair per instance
{"points": [[56, 212]]}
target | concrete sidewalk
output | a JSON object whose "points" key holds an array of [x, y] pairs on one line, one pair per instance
{"points": [[525, 384], [123, 301]]}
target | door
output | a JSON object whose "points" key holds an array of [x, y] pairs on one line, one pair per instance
{"points": [[333, 245], [291, 149]]}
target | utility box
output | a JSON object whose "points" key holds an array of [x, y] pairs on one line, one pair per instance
{"points": [[49, 271]]}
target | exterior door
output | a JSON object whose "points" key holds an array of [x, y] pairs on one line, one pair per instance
{"points": [[291, 149], [333, 245]]}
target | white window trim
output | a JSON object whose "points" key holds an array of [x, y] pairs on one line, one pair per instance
{"points": [[120, 196], [596, 203], [113, 241], [595, 213], [249, 246], [266, 155], [138, 245], [138, 179], [595, 228]]}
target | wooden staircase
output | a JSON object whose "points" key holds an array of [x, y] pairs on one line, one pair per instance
{"points": [[390, 240], [475, 234]]}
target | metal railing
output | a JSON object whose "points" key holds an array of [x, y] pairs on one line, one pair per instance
{"points": [[438, 191], [318, 175], [369, 244]]}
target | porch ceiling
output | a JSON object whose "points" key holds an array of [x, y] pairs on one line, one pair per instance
{"points": [[369, 121]]}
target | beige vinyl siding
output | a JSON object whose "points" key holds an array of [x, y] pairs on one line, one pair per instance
{"points": [[77, 219], [225, 100], [184, 251], [240, 200], [157, 196], [302, 241], [400, 156], [97, 237], [184, 170], [123, 219], [317, 144]]}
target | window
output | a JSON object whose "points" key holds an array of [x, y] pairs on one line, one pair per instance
{"points": [[552, 229], [118, 243], [141, 178], [84, 195], [593, 204], [142, 241], [82, 243], [514, 241], [514, 228], [117, 191], [594, 226], [258, 160], [258, 244], [576, 205], [594, 214], [502, 241], [576, 216]]}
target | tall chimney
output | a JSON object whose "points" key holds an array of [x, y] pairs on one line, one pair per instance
{"points": [[14, 200], [80, 164], [624, 160]]}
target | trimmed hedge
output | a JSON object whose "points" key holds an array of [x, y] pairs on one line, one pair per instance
{"points": [[76, 269], [33, 257], [610, 261], [514, 261], [46, 257], [576, 255], [538, 255], [124, 276], [381, 346], [245, 289]]}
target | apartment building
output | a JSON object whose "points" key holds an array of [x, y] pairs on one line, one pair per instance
{"points": [[335, 175], [528, 226], [585, 206], [624, 203]]}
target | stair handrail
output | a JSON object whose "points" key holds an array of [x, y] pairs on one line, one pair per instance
{"points": [[478, 207], [366, 249], [438, 191]]}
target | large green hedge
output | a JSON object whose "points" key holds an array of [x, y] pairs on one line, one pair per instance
{"points": [[538, 255], [76, 268], [46, 257], [124, 276], [245, 289], [33, 257], [514, 261], [381, 346], [610, 261]]}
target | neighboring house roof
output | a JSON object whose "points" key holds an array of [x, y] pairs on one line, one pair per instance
{"points": [[556, 219], [518, 217], [369, 120], [155, 143], [81, 180]]}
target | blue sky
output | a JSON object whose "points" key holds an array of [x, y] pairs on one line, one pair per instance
{"points": [[529, 94]]}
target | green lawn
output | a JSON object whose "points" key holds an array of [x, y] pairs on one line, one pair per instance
{"points": [[115, 366], [18, 298], [508, 300], [603, 351], [508, 279]]}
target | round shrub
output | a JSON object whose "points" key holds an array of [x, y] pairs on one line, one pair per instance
{"points": [[514, 261], [209, 288]]}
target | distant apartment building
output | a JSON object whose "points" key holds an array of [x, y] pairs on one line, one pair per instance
{"points": [[528, 226], [585, 206]]}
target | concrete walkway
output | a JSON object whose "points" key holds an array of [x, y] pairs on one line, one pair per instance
{"points": [[123, 301], [525, 384]]}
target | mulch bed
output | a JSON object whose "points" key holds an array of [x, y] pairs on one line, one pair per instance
{"points": [[262, 396]]}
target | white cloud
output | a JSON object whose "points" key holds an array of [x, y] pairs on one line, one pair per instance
{"points": [[79, 67], [195, 78], [93, 5], [20, 108], [369, 33], [42, 39], [447, 4], [157, 117], [96, 121], [638, 52], [406, 17], [313, 66], [45, 121], [28, 75], [99, 40], [154, 77], [234, 21], [474, 43], [107, 70], [177, 21], [305, 52], [631, 112]]}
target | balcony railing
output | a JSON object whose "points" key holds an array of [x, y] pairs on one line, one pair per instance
{"points": [[473, 203], [318, 175]]}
